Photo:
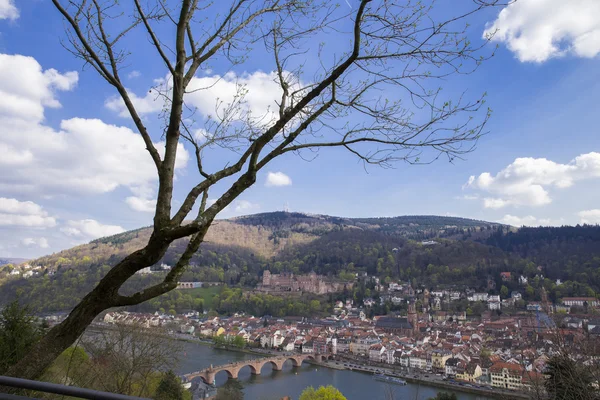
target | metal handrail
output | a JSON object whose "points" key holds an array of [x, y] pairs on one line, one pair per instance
{"points": [[47, 387]]}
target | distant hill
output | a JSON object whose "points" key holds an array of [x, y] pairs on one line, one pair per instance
{"points": [[431, 250], [9, 260], [266, 235]]}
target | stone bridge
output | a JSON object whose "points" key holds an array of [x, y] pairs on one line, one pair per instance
{"points": [[233, 369]]}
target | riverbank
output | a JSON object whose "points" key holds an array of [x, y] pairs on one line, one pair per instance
{"points": [[490, 393]]}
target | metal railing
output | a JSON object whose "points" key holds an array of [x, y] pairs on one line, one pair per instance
{"points": [[46, 387]]}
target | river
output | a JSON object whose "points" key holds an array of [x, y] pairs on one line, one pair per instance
{"points": [[273, 385]]}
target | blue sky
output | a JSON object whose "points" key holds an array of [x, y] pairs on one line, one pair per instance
{"points": [[73, 170]]}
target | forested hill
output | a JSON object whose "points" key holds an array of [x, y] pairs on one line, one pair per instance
{"points": [[565, 253], [433, 251]]}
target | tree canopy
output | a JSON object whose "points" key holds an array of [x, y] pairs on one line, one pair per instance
{"points": [[322, 393]]}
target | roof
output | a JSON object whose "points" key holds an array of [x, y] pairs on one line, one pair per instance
{"points": [[393, 323], [513, 368]]}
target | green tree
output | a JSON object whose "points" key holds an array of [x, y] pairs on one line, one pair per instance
{"points": [[231, 390], [322, 393], [444, 396], [238, 341], [504, 291], [169, 387], [19, 331]]}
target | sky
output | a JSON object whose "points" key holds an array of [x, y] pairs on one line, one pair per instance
{"points": [[73, 168]]}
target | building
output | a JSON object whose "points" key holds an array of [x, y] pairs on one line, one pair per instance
{"points": [[320, 346], [506, 276], [450, 366], [361, 346], [312, 283], [581, 301], [506, 376], [470, 373], [480, 297], [439, 358], [400, 326], [377, 352], [189, 285]]}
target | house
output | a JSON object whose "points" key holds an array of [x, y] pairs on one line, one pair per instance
{"points": [[376, 352], [15, 272], [470, 373], [307, 348], [369, 302], [480, 297], [418, 360], [494, 305], [439, 358], [593, 323], [506, 376], [450, 366], [515, 295], [187, 328], [361, 345], [398, 357], [287, 344], [573, 322], [523, 280], [320, 346], [506, 276], [493, 298]]}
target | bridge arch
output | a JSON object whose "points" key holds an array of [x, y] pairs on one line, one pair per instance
{"points": [[232, 373], [252, 367], [277, 364]]}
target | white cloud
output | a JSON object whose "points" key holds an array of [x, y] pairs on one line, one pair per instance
{"points": [[526, 181], [151, 103], [25, 89], [24, 213], [134, 74], [40, 242], [277, 179], [260, 91], [537, 30], [590, 216], [90, 229], [244, 206], [528, 220], [8, 10], [84, 156], [141, 204]]}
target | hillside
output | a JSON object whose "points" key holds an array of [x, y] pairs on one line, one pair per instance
{"points": [[237, 251], [565, 253], [264, 236]]}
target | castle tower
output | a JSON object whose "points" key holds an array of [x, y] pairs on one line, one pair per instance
{"points": [[266, 278]]}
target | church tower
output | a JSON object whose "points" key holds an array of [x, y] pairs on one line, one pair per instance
{"points": [[413, 318]]}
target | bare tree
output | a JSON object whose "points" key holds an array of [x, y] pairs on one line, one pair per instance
{"points": [[374, 92], [126, 357]]}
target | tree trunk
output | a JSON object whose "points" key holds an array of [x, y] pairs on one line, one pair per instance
{"points": [[101, 298]]}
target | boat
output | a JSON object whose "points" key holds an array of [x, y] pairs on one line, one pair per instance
{"points": [[389, 379]]}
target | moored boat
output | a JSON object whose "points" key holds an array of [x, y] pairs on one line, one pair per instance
{"points": [[389, 379]]}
